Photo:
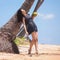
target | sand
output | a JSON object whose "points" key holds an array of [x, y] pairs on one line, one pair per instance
{"points": [[46, 52]]}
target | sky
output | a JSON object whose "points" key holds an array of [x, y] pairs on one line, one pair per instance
{"points": [[47, 21]]}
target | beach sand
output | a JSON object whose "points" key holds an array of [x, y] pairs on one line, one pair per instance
{"points": [[46, 52]]}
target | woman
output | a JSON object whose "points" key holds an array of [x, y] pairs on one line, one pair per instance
{"points": [[31, 28]]}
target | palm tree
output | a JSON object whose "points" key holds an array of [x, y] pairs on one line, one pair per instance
{"points": [[10, 29]]}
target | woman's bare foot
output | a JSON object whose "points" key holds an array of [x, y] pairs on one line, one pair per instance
{"points": [[29, 51], [37, 53]]}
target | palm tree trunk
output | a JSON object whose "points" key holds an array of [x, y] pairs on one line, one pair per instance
{"points": [[10, 29]]}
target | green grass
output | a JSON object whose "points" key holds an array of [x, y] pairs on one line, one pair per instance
{"points": [[20, 41]]}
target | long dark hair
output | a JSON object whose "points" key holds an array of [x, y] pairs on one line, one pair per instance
{"points": [[19, 15]]}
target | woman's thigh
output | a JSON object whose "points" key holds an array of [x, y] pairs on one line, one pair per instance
{"points": [[35, 35]]}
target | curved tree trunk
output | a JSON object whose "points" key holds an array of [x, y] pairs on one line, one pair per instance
{"points": [[9, 31]]}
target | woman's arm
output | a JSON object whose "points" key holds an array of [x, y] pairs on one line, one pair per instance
{"points": [[25, 26]]}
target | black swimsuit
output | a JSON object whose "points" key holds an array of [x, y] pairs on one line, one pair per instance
{"points": [[30, 25]]}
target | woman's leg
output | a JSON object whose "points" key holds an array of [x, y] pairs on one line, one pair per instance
{"points": [[34, 41], [31, 43]]}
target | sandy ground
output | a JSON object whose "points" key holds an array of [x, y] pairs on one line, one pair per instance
{"points": [[46, 52]]}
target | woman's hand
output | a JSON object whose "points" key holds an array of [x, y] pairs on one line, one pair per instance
{"points": [[27, 33]]}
